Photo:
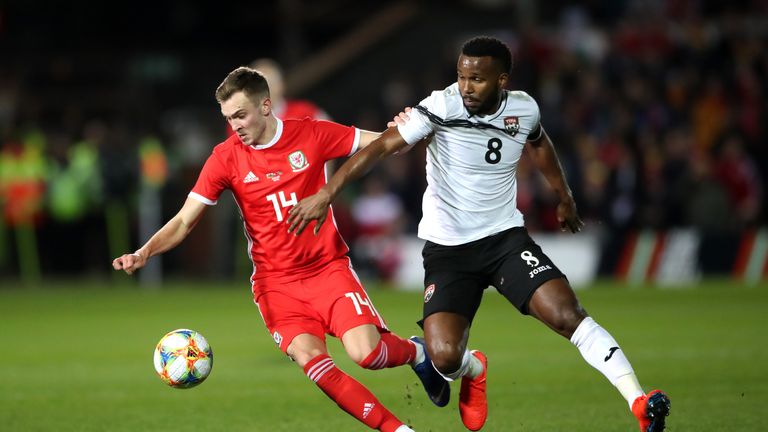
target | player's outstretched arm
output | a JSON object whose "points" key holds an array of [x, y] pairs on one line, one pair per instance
{"points": [[315, 207], [170, 235], [366, 138], [543, 154]]}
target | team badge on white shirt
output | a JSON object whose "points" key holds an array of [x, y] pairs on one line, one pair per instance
{"points": [[512, 125]]}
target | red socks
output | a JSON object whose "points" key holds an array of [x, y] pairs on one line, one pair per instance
{"points": [[392, 351], [350, 395]]}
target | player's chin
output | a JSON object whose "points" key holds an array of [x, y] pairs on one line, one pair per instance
{"points": [[473, 108]]}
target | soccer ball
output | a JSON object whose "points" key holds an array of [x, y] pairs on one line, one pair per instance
{"points": [[183, 358]]}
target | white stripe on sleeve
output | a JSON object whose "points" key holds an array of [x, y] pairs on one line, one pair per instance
{"points": [[355, 143], [201, 198]]}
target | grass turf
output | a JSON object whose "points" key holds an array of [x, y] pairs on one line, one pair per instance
{"points": [[78, 357]]}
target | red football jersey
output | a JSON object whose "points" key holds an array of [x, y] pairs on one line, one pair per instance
{"points": [[267, 180]]}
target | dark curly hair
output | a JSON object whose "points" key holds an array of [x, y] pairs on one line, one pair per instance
{"points": [[486, 46]]}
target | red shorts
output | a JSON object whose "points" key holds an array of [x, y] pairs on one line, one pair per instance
{"points": [[332, 301]]}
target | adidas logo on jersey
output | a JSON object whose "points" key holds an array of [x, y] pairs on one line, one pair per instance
{"points": [[367, 408], [250, 178]]}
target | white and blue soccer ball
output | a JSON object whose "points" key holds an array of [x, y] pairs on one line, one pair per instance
{"points": [[183, 358]]}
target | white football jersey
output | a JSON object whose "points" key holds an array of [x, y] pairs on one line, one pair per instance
{"points": [[471, 164]]}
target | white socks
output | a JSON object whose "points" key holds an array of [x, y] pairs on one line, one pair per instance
{"points": [[475, 366], [600, 350], [404, 428], [470, 366], [419, 357], [629, 388]]}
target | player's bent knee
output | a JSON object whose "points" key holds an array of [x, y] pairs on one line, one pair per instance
{"points": [[359, 355], [366, 354], [446, 365], [360, 342], [568, 320], [446, 357], [302, 357], [304, 348]]}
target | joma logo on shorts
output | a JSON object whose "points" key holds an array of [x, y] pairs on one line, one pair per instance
{"points": [[538, 270]]}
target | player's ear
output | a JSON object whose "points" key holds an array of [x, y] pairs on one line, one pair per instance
{"points": [[266, 106], [503, 80]]}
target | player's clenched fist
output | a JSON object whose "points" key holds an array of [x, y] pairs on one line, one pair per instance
{"points": [[129, 263], [568, 216]]}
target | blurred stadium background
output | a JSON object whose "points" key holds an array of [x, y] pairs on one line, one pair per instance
{"points": [[658, 109]]}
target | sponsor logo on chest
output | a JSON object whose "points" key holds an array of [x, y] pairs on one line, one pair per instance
{"points": [[274, 175]]}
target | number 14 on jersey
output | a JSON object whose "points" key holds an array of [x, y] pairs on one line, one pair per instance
{"points": [[283, 203]]}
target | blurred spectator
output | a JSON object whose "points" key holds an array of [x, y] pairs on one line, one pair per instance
{"points": [[75, 201], [378, 214], [282, 107], [119, 173], [676, 172], [75, 183], [737, 172], [23, 175], [710, 113], [707, 207]]}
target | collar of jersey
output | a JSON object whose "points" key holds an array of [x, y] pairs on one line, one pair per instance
{"points": [[275, 139]]}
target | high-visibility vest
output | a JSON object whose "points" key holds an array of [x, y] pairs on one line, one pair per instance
{"points": [[23, 174], [76, 187], [154, 164]]}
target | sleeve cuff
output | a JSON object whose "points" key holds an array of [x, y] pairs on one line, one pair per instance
{"points": [[536, 133], [202, 199], [355, 143]]}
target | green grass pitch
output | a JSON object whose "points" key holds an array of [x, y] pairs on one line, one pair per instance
{"points": [[78, 357]]}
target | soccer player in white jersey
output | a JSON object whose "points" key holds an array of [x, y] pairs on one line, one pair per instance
{"points": [[475, 235]]}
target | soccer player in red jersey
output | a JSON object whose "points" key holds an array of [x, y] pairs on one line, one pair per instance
{"points": [[303, 285]]}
